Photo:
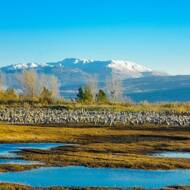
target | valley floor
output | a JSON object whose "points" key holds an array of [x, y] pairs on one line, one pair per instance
{"points": [[100, 147]]}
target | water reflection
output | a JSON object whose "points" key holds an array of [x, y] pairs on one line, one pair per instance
{"points": [[98, 177]]}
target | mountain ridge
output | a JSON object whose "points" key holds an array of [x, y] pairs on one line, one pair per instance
{"points": [[125, 68], [139, 82]]}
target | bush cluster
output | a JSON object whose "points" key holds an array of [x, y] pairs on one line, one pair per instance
{"points": [[85, 96]]}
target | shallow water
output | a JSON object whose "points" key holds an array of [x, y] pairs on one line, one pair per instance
{"points": [[18, 161], [8, 155], [98, 177], [85, 177], [173, 154], [7, 150]]}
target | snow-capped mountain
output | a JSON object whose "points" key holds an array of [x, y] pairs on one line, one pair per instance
{"points": [[123, 68], [128, 66], [73, 73], [20, 66], [129, 69]]}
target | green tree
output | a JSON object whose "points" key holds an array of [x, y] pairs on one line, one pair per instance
{"points": [[46, 96], [80, 95], [101, 97], [85, 95]]}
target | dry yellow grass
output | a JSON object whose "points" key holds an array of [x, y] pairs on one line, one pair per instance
{"points": [[103, 147], [131, 107]]}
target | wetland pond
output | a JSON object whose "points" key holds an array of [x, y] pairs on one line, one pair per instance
{"points": [[172, 154], [98, 177], [8, 151], [79, 176]]}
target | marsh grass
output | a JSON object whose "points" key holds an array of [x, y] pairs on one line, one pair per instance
{"points": [[131, 107], [125, 107], [102, 147], [16, 167]]}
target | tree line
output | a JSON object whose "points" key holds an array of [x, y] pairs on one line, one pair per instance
{"points": [[33, 87], [113, 91], [44, 88]]}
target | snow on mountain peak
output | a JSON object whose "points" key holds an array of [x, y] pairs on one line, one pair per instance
{"points": [[124, 68], [128, 66], [83, 61], [25, 66]]}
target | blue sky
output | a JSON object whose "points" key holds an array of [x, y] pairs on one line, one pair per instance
{"points": [[155, 33]]}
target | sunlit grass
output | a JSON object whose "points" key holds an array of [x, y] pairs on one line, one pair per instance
{"points": [[126, 107], [131, 107], [103, 147]]}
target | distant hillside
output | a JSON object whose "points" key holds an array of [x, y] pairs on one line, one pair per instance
{"points": [[140, 83], [124, 68]]}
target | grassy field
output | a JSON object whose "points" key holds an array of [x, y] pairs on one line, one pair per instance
{"points": [[126, 107], [101, 147], [132, 107]]}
